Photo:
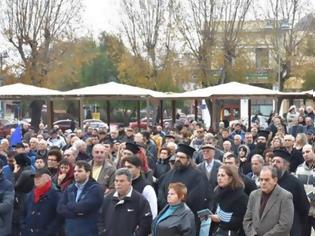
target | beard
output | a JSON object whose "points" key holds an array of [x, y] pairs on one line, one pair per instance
{"points": [[179, 166]]}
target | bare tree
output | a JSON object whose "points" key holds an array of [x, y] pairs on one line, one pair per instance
{"points": [[231, 25], [32, 26], [196, 22], [142, 25], [289, 26]]}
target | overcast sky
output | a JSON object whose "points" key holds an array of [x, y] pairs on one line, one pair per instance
{"points": [[101, 15]]}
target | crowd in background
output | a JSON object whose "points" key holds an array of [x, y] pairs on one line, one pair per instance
{"points": [[183, 181]]}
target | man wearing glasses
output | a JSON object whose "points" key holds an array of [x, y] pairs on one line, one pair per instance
{"points": [[54, 157]]}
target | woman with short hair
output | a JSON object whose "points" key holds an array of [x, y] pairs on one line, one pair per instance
{"points": [[175, 219]]}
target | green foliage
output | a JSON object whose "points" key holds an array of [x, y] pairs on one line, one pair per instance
{"points": [[309, 80]]}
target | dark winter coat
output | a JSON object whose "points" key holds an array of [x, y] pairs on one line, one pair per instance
{"points": [[81, 216], [162, 166], [6, 205], [41, 218], [24, 184], [128, 217], [232, 203], [180, 223], [300, 202], [195, 182]]}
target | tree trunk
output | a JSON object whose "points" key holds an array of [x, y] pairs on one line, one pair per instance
{"points": [[36, 111]]}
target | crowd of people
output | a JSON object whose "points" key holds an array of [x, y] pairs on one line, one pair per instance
{"points": [[162, 182]]}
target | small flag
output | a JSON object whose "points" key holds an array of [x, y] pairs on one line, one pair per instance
{"points": [[16, 136]]}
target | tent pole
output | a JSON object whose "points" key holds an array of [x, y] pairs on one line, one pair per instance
{"points": [[108, 113], [138, 115], [161, 113], [249, 113], [173, 113]]}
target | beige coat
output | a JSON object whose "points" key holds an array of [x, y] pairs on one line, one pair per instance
{"points": [[277, 218]]}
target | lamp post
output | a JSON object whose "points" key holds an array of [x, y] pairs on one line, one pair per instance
{"points": [[282, 25], [3, 55]]}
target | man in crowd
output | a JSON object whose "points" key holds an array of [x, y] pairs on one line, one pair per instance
{"points": [[186, 173], [281, 161], [80, 203], [42, 149], [257, 163], [139, 183], [125, 212], [305, 173], [39, 215], [54, 157], [210, 168], [56, 140], [208, 139], [230, 159], [6, 203], [270, 209], [296, 155], [249, 141], [197, 141], [102, 171]]}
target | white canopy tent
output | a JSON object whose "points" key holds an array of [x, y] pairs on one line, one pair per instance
{"points": [[232, 89], [114, 90], [19, 90]]}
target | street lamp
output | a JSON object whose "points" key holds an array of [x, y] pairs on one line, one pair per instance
{"points": [[3, 55], [282, 25]]}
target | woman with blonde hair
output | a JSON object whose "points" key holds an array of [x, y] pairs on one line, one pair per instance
{"points": [[300, 141], [277, 142]]}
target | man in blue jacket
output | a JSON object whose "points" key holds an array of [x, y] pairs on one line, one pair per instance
{"points": [[80, 203], [6, 204]]}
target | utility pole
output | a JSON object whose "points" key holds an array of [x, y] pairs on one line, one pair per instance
{"points": [[3, 55]]}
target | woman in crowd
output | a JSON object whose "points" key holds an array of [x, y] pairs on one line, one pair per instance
{"points": [[300, 141], [243, 155], [175, 219], [65, 175], [162, 164], [277, 143], [231, 202], [268, 155]]}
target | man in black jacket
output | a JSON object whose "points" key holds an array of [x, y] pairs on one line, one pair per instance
{"points": [[281, 161], [126, 211]]}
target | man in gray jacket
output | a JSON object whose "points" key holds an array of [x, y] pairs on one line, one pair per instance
{"points": [[270, 209], [6, 204]]}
